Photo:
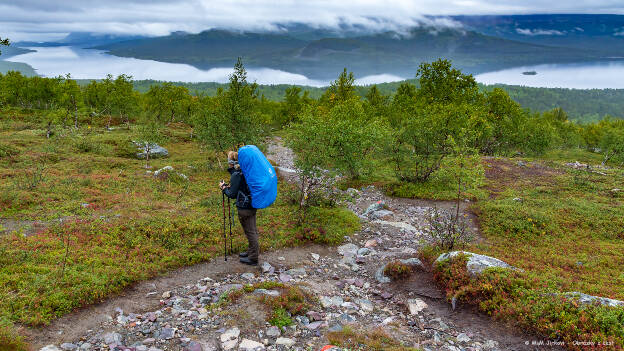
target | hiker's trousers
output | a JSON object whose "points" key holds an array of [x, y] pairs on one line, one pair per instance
{"points": [[247, 219]]}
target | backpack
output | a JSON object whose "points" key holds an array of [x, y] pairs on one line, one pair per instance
{"points": [[260, 176]]}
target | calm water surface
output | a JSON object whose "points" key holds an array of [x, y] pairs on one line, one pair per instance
{"points": [[93, 64]]}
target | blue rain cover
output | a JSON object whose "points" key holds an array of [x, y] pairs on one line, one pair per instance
{"points": [[259, 174]]}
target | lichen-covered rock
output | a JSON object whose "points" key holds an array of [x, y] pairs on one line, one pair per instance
{"points": [[586, 299], [156, 151], [476, 263]]}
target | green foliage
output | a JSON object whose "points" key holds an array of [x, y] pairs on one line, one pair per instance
{"points": [[512, 295], [233, 120], [340, 91], [280, 318], [440, 83], [397, 270], [4, 42]]}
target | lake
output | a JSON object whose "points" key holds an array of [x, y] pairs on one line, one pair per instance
{"points": [[92, 64], [598, 75]]}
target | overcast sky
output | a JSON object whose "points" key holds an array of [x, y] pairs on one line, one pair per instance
{"points": [[50, 19]]}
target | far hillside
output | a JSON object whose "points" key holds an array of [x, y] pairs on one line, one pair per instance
{"points": [[582, 105]]}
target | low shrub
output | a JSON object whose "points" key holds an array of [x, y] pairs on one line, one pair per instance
{"points": [[511, 295], [397, 270]]}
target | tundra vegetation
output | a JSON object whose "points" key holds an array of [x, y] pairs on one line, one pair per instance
{"points": [[99, 222]]}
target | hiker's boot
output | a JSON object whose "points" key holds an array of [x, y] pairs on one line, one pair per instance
{"points": [[247, 260], [243, 254]]}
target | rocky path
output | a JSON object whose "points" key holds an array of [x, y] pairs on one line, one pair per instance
{"points": [[186, 310]]}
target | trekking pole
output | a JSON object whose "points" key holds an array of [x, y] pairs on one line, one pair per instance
{"points": [[224, 237], [230, 220]]}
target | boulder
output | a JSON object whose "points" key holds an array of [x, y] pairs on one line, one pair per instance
{"points": [[50, 348], [156, 151], [586, 299], [380, 214], [230, 334], [285, 342], [399, 225], [379, 205], [416, 305], [112, 338], [476, 263], [348, 249], [250, 345]]}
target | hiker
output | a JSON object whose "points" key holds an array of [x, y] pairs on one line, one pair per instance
{"points": [[239, 190]]}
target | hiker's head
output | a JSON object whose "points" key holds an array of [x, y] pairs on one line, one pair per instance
{"points": [[233, 159]]}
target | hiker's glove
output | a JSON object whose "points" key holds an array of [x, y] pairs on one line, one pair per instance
{"points": [[222, 185]]}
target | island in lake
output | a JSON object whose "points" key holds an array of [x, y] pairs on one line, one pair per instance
{"points": [[529, 73]]}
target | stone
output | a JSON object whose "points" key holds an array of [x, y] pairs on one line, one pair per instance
{"points": [[346, 318], [274, 293], [68, 346], [327, 302], [462, 337], [353, 192], [248, 276], [230, 334], [284, 278], [476, 263], [250, 345], [586, 299], [366, 305], [112, 338], [149, 341], [166, 295], [517, 199], [167, 333], [266, 267], [380, 276], [371, 243], [229, 345], [379, 205], [156, 151], [399, 225], [348, 249], [315, 256], [364, 251], [380, 214], [296, 272], [335, 328], [314, 325], [50, 348], [286, 342], [165, 169], [314, 316], [273, 332], [85, 347]]}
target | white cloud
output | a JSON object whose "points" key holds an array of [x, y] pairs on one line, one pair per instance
{"points": [[534, 32], [26, 18]]}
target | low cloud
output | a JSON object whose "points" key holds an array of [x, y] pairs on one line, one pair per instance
{"points": [[535, 32], [32, 19]]}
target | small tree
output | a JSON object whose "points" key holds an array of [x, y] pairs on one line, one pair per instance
{"points": [[340, 90], [123, 98], [70, 98], [4, 42], [612, 142], [230, 119]]}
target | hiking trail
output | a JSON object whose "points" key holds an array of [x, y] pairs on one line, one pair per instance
{"points": [[170, 312]]}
